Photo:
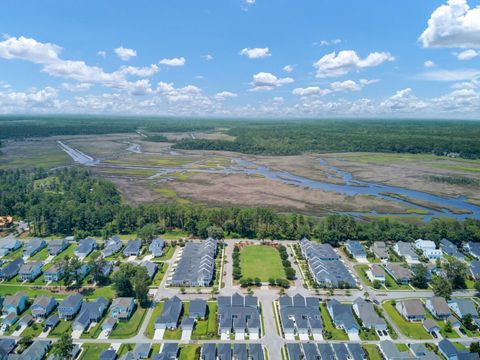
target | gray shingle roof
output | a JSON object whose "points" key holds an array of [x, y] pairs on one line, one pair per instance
{"points": [[300, 314]]}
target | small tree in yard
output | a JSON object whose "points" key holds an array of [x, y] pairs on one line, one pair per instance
{"points": [[448, 327], [442, 287], [63, 347]]}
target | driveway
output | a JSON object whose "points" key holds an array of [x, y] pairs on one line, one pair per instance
{"points": [[76, 334], [158, 334]]}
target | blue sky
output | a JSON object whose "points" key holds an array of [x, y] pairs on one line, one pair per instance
{"points": [[243, 58]]}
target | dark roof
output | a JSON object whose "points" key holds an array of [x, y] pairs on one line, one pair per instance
{"points": [[294, 351], [172, 308], [108, 354], [209, 352], [198, 307], [72, 301]]}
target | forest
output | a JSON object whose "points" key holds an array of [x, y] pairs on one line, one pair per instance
{"points": [[72, 201]]}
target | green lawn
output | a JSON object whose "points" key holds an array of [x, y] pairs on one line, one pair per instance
{"points": [[126, 329], [391, 284], [361, 271], [33, 330], [175, 334], [402, 347], [413, 330], [207, 329], [67, 252], [373, 352], [159, 275], [92, 351], [261, 261], [189, 352], [13, 255], [337, 334], [150, 330], [62, 327], [93, 332], [167, 253], [41, 255], [450, 335], [368, 334], [125, 348]]}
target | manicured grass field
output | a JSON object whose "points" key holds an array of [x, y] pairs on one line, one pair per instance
{"points": [[92, 351], [337, 334], [150, 330], [373, 352], [261, 261], [207, 329], [175, 334], [167, 253], [126, 329], [62, 327], [33, 330], [413, 330], [189, 352]]}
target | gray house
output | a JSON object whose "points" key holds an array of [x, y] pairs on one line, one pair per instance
{"points": [[55, 247], [342, 317], [300, 316], [112, 246], [450, 351], [53, 273], [132, 248], [169, 351], [36, 351], [85, 247], [197, 309], [15, 304], [451, 249], [69, 307], [33, 246], [407, 251], [438, 307], [9, 244], [30, 271], [379, 248], [122, 308], [399, 273], [366, 312], [412, 310], [11, 270], [356, 250], [90, 312], [170, 316], [239, 315], [462, 307], [43, 306], [151, 268], [156, 247]]}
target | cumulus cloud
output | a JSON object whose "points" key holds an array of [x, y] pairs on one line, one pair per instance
{"points": [[453, 25], [403, 101], [347, 85], [225, 95], [145, 71], [268, 81], [180, 61], [288, 68], [31, 100], [255, 53], [311, 90], [328, 42], [208, 57], [467, 54], [29, 49], [102, 54], [450, 75], [335, 65], [77, 87], [125, 54], [429, 64]]}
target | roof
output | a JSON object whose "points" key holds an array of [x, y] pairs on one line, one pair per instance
{"points": [[122, 302], [367, 313], [133, 246], [12, 268], [294, 352], [52, 320], [391, 351], [430, 325], [112, 246], [169, 352], [300, 312], [171, 311], [37, 350], [85, 245], [209, 351], [150, 267], [465, 306], [475, 268], [72, 301], [355, 248], [108, 354], [377, 270], [406, 249], [380, 249], [238, 312], [14, 300], [440, 305], [29, 268], [342, 314], [413, 307], [450, 249], [33, 245], [43, 301], [142, 348], [398, 271], [197, 307]]}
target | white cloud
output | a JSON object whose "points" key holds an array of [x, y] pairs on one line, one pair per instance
{"points": [[31, 100], [429, 64], [102, 54], [125, 54], [29, 49], [403, 101], [453, 25], [333, 65], [77, 87], [450, 75], [347, 85], [467, 54], [288, 68], [247, 3], [224, 95], [145, 71], [311, 90], [173, 62], [328, 42], [268, 81], [255, 53], [208, 57]]}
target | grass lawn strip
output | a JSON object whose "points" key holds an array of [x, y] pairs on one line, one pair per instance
{"points": [[373, 352], [208, 328], [127, 329], [92, 351], [261, 261], [150, 330], [337, 334], [414, 330]]}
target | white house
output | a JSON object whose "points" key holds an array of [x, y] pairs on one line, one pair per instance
{"points": [[428, 248]]}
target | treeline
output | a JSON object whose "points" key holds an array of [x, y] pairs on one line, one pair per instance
{"points": [[454, 138], [71, 201]]}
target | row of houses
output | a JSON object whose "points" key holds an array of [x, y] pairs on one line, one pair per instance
{"points": [[196, 266], [325, 265], [325, 351], [446, 348], [228, 351]]}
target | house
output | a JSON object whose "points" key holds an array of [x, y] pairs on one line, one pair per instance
{"points": [[109, 324], [294, 351], [239, 315], [428, 249], [107, 268], [300, 316], [255, 352], [170, 316], [325, 265], [400, 274], [36, 351], [132, 248], [450, 351], [342, 317], [197, 309], [43, 306], [9, 320], [15, 304], [55, 247], [196, 266], [209, 352], [462, 307], [438, 307], [451, 249], [376, 273], [187, 324], [70, 306], [90, 312], [9, 244], [412, 310], [11, 270], [112, 246], [108, 354], [474, 269], [53, 273], [169, 351], [33, 246], [406, 251], [142, 350], [51, 322], [356, 250], [365, 311], [473, 248], [380, 250], [26, 320], [7, 346], [156, 247], [151, 268], [30, 271], [420, 351], [431, 326], [122, 308], [389, 351], [454, 321], [85, 247]]}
